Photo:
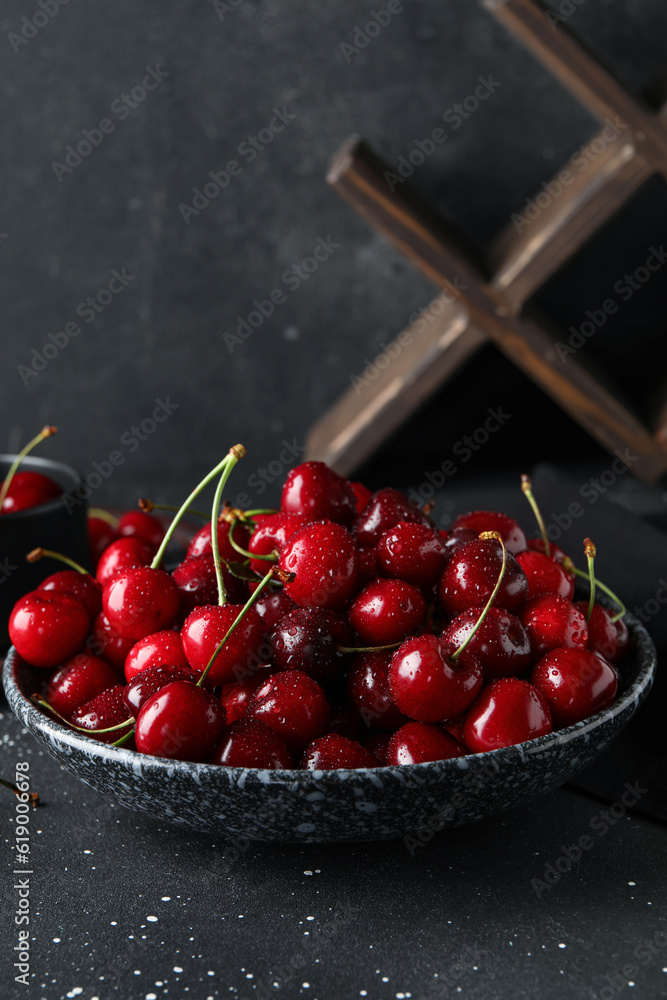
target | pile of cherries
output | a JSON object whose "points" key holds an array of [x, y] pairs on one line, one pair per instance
{"points": [[342, 631]]}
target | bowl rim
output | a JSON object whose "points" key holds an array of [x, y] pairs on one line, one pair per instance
{"points": [[34, 463], [33, 718]]}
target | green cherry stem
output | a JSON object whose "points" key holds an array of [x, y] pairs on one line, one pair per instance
{"points": [[238, 451], [123, 740], [33, 796], [244, 552], [367, 649], [215, 544], [485, 536], [45, 432], [527, 488], [571, 568], [40, 553], [103, 515], [148, 507], [38, 700], [591, 553]]}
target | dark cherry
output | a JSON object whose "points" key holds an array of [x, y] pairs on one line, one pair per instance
{"points": [[368, 691], [330, 752], [144, 685], [140, 601], [427, 685], [545, 575], [508, 711], [490, 520], [555, 553], [271, 607], [455, 727], [29, 489], [324, 560], [471, 574], [293, 705], [101, 712], [575, 683], [180, 721], [139, 524], [272, 535], [362, 494], [105, 642], [609, 638], [82, 586], [412, 552], [501, 643], [206, 627], [236, 697], [387, 611], [155, 650], [418, 742], [195, 578], [100, 536], [47, 627], [368, 568], [201, 542], [316, 491], [249, 743], [124, 553], [456, 539], [308, 639], [386, 508], [551, 621], [79, 679]]}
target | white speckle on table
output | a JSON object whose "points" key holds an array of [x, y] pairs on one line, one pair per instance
{"points": [[561, 945], [152, 919], [177, 968], [165, 899], [56, 940], [632, 883]]}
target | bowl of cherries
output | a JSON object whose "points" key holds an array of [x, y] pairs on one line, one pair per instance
{"points": [[337, 669]]}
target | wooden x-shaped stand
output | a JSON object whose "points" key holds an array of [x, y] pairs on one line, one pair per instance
{"points": [[482, 300]]}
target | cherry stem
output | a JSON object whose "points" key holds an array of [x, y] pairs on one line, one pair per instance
{"points": [[273, 557], [123, 740], [45, 432], [215, 544], [40, 553], [148, 507], [527, 488], [32, 796], [38, 700], [590, 551], [571, 568], [485, 536], [367, 649], [237, 621], [103, 515], [238, 451]]}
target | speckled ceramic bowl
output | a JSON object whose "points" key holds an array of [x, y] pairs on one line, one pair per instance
{"points": [[365, 804]]}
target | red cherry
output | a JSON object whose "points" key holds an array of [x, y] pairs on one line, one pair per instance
{"points": [[201, 542], [427, 685], [609, 638], [418, 742], [328, 753], [490, 520], [144, 685], [385, 509], [368, 568], [100, 536], [412, 552], [101, 712], [122, 554], [155, 650], [271, 607], [508, 711], [47, 628], [106, 642], [368, 691], [195, 578], [205, 628], [551, 621], [80, 585], [308, 639], [455, 727], [139, 524], [80, 678], [140, 601], [315, 490], [576, 683], [456, 539], [471, 575], [387, 611], [500, 643], [29, 489], [180, 721], [236, 697], [545, 575], [325, 562], [249, 743], [555, 553], [293, 705], [273, 535], [362, 494]]}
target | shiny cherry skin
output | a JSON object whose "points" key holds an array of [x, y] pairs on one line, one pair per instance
{"points": [[139, 524], [456, 539], [490, 520], [272, 536], [101, 712], [387, 611], [551, 621], [501, 643], [84, 587], [412, 552], [545, 575], [386, 508], [144, 685], [324, 560], [100, 536], [537, 545], [427, 685], [368, 691], [609, 638], [272, 606], [249, 743], [105, 642], [29, 489], [78, 680], [418, 742], [195, 578], [362, 494], [201, 542], [122, 554], [236, 697], [576, 683], [47, 628], [180, 721], [308, 639], [508, 711], [333, 751], [316, 491], [293, 705], [206, 627], [471, 574], [140, 601], [155, 650]]}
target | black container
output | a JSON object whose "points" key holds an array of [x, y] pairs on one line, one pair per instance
{"points": [[53, 525]]}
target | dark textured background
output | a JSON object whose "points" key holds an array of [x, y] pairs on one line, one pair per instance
{"points": [[163, 336]]}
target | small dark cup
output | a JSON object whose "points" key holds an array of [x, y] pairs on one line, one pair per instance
{"points": [[55, 525]]}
